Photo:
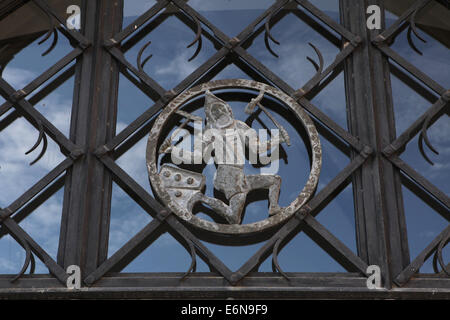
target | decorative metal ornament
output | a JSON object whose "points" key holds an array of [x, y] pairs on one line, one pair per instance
{"points": [[180, 189]]}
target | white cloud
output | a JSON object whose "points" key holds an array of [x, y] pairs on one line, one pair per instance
{"points": [[17, 77], [123, 227], [178, 68], [165, 240], [7, 265], [16, 175], [15, 172], [134, 163]]}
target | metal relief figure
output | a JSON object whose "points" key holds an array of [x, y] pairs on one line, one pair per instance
{"points": [[228, 138], [221, 138]]}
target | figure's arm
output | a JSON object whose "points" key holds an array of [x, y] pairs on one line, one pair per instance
{"points": [[251, 139], [186, 156]]}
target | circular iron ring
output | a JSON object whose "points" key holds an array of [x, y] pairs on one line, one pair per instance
{"points": [[236, 229]]}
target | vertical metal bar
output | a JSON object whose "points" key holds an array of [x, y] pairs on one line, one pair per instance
{"points": [[380, 222], [87, 198]]}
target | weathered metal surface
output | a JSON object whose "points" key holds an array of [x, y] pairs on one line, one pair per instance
{"points": [[399, 263], [235, 228], [386, 171]]}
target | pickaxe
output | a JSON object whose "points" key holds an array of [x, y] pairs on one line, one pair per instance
{"points": [[257, 102]]}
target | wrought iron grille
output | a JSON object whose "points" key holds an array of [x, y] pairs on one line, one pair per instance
{"points": [[376, 170]]}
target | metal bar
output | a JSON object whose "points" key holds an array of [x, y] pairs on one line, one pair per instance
{"points": [[381, 228], [426, 197], [131, 142], [138, 194], [249, 34], [52, 266], [10, 118], [145, 78], [421, 180], [327, 134], [411, 82], [272, 77], [335, 247], [386, 34], [132, 188], [132, 127], [249, 30], [191, 12], [216, 58], [399, 143], [321, 29], [327, 20], [58, 66], [36, 83], [340, 57], [303, 102], [141, 20], [430, 83], [414, 267], [149, 113], [31, 114], [84, 231], [163, 287], [339, 182], [124, 253], [143, 87], [36, 202], [264, 252], [319, 201], [38, 96], [82, 41], [330, 124], [38, 187], [140, 34]]}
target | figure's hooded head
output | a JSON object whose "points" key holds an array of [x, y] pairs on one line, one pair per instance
{"points": [[218, 112]]}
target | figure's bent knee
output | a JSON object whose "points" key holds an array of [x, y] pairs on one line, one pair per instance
{"points": [[276, 179]]}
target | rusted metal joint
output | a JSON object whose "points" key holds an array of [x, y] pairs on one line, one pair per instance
{"points": [[163, 215], [303, 212], [84, 44], [298, 94], [168, 95], [101, 151], [379, 39], [389, 151], [446, 96], [18, 95], [4, 214], [235, 278], [8, 211], [76, 153], [233, 43], [110, 43], [366, 151], [356, 41]]}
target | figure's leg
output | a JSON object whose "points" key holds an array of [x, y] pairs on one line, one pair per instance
{"points": [[217, 205], [270, 182], [237, 203]]}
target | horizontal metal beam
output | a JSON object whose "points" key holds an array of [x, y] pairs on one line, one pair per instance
{"points": [[209, 286]]}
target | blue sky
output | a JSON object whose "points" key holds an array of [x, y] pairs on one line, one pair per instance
{"points": [[169, 66]]}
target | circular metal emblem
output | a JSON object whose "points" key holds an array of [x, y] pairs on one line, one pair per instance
{"points": [[181, 189]]}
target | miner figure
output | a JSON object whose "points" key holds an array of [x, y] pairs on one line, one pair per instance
{"points": [[229, 137]]}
